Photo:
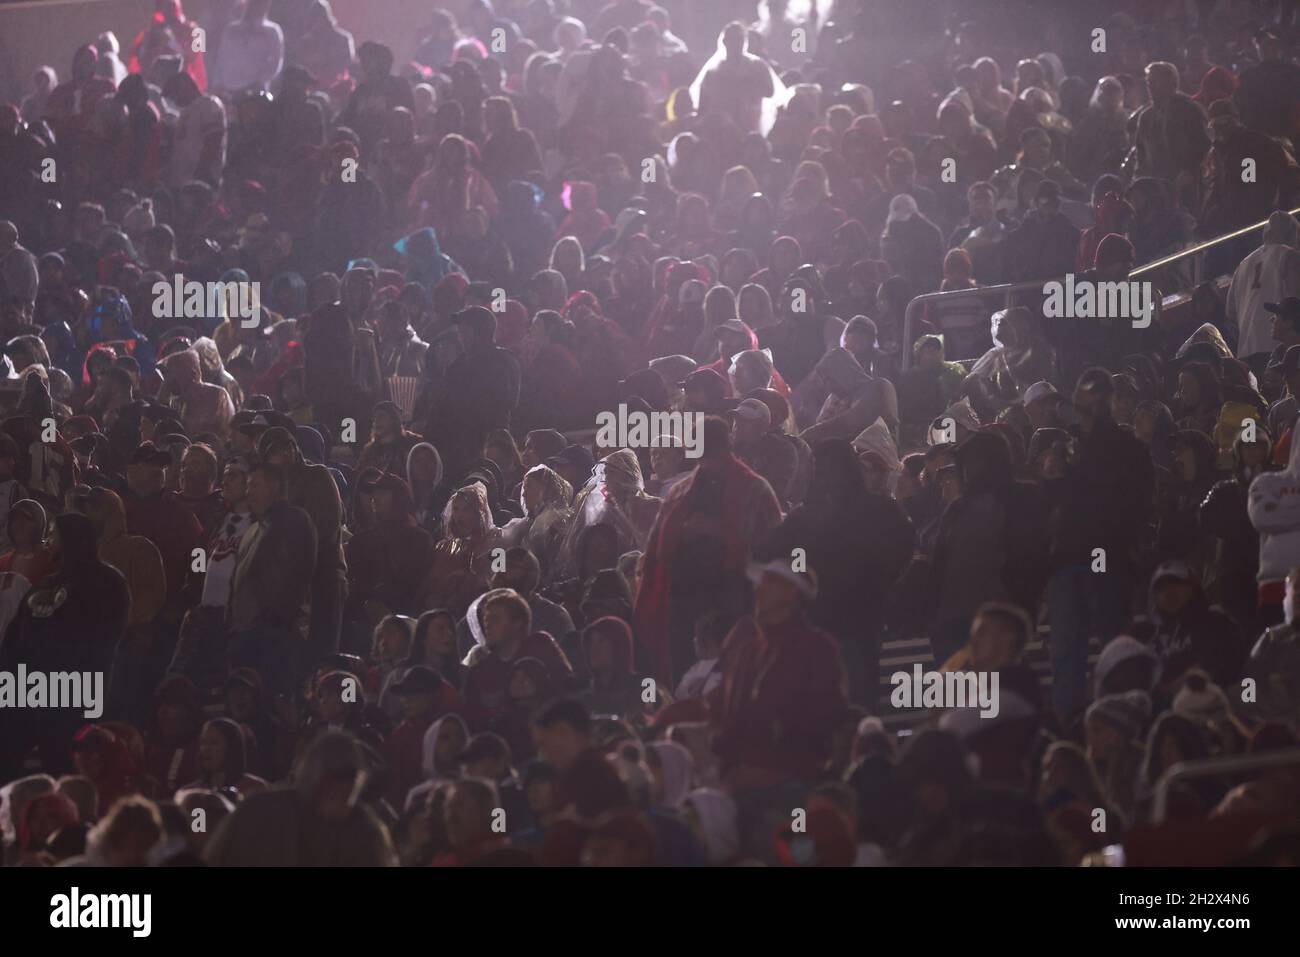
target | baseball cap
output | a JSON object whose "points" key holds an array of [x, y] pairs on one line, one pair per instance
{"points": [[806, 582], [1289, 362], [1177, 570], [777, 406], [573, 456], [1288, 308], [754, 410], [147, 453]]}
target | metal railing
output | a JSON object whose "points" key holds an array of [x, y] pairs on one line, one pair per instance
{"points": [[1009, 289], [1217, 767], [1202, 247]]}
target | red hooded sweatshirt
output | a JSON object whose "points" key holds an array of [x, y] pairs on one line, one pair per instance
{"points": [[781, 698], [750, 510]]}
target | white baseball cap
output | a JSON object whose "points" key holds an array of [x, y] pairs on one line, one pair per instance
{"points": [[805, 582]]}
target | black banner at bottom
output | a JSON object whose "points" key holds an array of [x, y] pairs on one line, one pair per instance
{"points": [[183, 905]]}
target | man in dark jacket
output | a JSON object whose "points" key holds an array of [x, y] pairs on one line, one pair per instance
{"points": [[389, 561], [1106, 507], [1267, 92], [857, 544], [1187, 632], [1171, 138], [1223, 516], [312, 488], [1046, 244], [1232, 200], [480, 392], [272, 584], [796, 341], [991, 544]]}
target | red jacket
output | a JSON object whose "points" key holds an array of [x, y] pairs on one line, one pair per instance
{"points": [[750, 511], [783, 694]]}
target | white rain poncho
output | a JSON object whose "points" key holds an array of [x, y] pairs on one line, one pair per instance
{"points": [[723, 67], [474, 620], [543, 532], [961, 413], [487, 536], [606, 499], [876, 438]]}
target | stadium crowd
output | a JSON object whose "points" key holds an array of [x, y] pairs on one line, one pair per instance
{"points": [[362, 532]]}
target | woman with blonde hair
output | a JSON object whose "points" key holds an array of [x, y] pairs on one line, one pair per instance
{"points": [[456, 576], [738, 184], [568, 259]]}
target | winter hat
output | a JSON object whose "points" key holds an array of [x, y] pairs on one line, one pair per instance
{"points": [[1121, 649], [1200, 699], [1113, 248], [1128, 712], [139, 219]]}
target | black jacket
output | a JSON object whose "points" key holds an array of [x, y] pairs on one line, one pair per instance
{"points": [[1107, 501], [279, 577], [479, 394], [857, 552]]}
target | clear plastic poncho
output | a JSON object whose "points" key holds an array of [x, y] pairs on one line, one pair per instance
{"points": [[769, 105], [615, 479]]}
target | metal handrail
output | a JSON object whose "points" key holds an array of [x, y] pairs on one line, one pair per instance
{"points": [[1010, 288], [1212, 767], [1201, 247], [1007, 288]]}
